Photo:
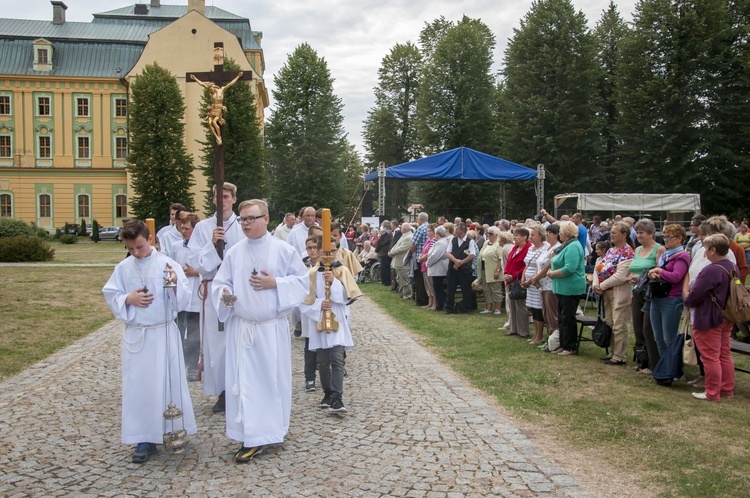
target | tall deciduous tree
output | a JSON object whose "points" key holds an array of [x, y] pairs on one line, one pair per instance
{"points": [[160, 167], [390, 132], [684, 78], [305, 137], [455, 109], [550, 100], [243, 142], [609, 35]]}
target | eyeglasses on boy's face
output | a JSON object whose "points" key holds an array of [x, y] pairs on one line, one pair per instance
{"points": [[311, 248], [249, 219]]}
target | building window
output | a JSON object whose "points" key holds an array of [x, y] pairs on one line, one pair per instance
{"points": [[43, 106], [121, 108], [6, 206], [83, 147], [41, 56], [5, 147], [83, 206], [5, 105], [121, 148], [45, 206], [82, 107], [121, 206], [45, 147]]}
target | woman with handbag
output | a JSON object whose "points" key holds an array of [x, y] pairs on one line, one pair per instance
{"points": [[672, 267], [569, 283], [612, 284], [710, 330], [537, 236], [514, 268], [549, 298], [646, 256]]}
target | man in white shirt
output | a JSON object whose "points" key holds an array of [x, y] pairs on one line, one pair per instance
{"points": [[460, 254]]}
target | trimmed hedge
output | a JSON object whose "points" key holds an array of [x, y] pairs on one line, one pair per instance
{"points": [[68, 238], [24, 249]]}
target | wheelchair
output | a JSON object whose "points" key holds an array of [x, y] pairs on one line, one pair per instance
{"points": [[370, 272]]}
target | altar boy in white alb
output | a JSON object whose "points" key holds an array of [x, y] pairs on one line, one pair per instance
{"points": [[259, 283], [205, 259], [136, 295]]}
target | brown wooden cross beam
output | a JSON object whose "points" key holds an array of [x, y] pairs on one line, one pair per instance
{"points": [[212, 81]]}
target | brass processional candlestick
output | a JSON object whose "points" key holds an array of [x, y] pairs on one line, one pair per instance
{"points": [[328, 323]]}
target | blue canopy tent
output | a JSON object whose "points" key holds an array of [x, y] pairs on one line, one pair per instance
{"points": [[461, 164]]}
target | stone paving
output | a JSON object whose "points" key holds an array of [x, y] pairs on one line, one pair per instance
{"points": [[414, 429]]}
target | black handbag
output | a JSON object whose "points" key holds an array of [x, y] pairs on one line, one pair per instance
{"points": [[516, 290], [659, 288], [602, 333], [641, 286]]}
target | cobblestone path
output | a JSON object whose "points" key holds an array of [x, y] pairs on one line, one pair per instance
{"points": [[414, 428]]}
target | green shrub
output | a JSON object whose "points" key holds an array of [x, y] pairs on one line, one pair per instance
{"points": [[83, 233], [23, 249], [68, 238], [95, 231], [11, 227], [39, 232]]}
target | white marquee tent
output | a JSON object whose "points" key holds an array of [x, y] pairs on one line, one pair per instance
{"points": [[630, 203]]}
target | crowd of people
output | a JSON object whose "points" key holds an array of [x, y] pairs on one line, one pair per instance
{"points": [[536, 272], [225, 313]]}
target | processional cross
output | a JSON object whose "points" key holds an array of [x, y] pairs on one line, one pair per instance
{"points": [[211, 81]]}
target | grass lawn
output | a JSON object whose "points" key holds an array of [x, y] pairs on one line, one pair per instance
{"points": [[46, 309], [669, 440], [86, 251]]}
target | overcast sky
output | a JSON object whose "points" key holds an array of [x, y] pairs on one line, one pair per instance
{"points": [[352, 35]]}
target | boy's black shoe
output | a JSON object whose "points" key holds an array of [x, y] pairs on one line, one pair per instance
{"points": [[298, 331], [144, 451], [245, 454], [337, 405], [326, 401], [220, 405]]}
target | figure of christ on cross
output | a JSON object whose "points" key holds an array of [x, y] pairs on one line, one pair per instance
{"points": [[217, 108], [211, 81]]}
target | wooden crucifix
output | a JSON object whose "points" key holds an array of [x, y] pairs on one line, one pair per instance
{"points": [[211, 81]]}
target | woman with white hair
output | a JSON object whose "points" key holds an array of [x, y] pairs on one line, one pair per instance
{"points": [[367, 254], [397, 254], [569, 283], [437, 267], [490, 272]]}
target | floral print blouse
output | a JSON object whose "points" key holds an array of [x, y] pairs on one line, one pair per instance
{"points": [[607, 266]]}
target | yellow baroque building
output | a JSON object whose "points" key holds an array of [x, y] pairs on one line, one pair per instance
{"points": [[64, 101]]}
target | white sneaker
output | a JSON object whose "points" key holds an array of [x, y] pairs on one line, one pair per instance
{"points": [[484, 312], [700, 395], [498, 312]]}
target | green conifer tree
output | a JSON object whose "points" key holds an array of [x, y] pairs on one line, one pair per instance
{"points": [[158, 162]]}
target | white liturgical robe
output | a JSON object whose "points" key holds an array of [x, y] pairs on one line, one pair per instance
{"points": [[258, 346], [147, 365], [205, 259], [313, 313]]}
